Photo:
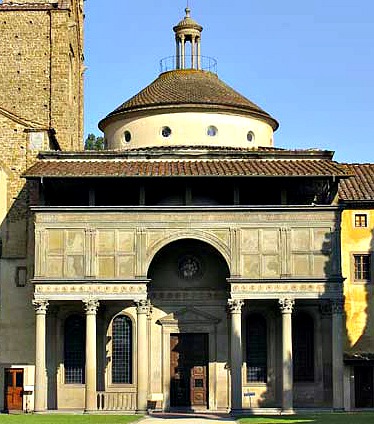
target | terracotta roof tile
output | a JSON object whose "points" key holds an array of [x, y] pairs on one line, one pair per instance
{"points": [[361, 185], [190, 87], [176, 168]]}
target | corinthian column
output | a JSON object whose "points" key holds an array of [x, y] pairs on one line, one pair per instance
{"points": [[40, 364], [337, 355], [235, 308], [143, 310], [286, 306], [91, 306]]}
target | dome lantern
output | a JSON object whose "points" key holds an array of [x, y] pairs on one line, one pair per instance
{"points": [[186, 31]]}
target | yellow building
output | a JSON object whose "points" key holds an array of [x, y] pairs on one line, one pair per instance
{"points": [[357, 241]]}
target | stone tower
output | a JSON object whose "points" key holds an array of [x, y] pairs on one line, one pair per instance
{"points": [[41, 98], [41, 108], [41, 67]]}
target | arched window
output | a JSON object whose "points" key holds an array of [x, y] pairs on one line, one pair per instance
{"points": [[122, 350], [303, 347], [74, 349], [256, 348]]}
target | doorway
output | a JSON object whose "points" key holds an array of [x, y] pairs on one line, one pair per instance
{"points": [[13, 389], [189, 361], [364, 392]]}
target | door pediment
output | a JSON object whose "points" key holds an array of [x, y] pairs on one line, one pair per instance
{"points": [[188, 315]]}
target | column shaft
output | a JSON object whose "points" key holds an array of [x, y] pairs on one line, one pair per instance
{"points": [[193, 53], [177, 57], [337, 356], [142, 356], [40, 356], [91, 358], [287, 365], [236, 354], [198, 53], [183, 48]]}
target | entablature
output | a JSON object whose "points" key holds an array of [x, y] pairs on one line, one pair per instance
{"points": [[132, 289], [307, 288]]}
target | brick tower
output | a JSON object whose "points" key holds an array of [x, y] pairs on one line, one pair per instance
{"points": [[41, 108]]}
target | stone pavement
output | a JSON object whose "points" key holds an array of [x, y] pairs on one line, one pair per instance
{"points": [[180, 418]]}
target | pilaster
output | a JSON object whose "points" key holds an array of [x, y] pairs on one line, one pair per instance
{"points": [[143, 312], [337, 355]]}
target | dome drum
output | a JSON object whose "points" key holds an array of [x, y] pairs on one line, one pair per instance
{"points": [[188, 128]]}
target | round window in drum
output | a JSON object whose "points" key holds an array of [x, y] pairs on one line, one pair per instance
{"points": [[250, 136], [127, 136], [212, 131], [166, 132]]}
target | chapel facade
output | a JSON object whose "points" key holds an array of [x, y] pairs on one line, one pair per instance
{"points": [[190, 265]]}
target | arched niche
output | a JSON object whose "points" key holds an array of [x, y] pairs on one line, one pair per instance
{"points": [[188, 264]]}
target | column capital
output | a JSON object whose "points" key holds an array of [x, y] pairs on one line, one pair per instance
{"points": [[143, 306], [337, 306], [286, 305], [40, 306], [91, 306], [235, 306]]}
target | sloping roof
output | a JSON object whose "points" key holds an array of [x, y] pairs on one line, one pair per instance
{"points": [[360, 186], [190, 87], [183, 168]]}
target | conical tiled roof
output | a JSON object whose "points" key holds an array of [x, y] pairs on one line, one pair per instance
{"points": [[190, 88]]}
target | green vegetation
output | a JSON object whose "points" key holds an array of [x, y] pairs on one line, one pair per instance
{"points": [[67, 419], [94, 143], [337, 418]]}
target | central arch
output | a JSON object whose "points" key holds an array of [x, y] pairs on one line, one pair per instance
{"points": [[188, 264], [188, 290]]}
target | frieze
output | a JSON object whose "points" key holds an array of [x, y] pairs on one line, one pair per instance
{"points": [[299, 289], [222, 216], [187, 295], [91, 288]]}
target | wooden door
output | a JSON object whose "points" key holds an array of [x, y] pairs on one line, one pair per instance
{"points": [[364, 392], [189, 370], [13, 389]]}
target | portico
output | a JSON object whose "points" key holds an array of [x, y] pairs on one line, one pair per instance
{"points": [[185, 286]]}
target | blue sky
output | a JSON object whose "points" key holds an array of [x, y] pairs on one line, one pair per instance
{"points": [[310, 64]]}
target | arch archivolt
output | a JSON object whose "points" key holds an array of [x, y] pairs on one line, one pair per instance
{"points": [[204, 236]]}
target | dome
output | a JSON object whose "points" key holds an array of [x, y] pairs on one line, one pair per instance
{"points": [[192, 89], [188, 106]]}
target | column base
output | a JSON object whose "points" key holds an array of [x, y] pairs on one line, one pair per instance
{"points": [[288, 411]]}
